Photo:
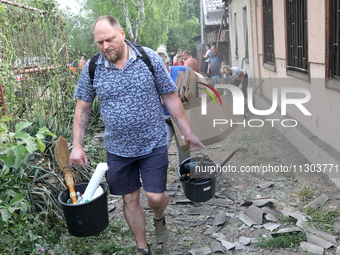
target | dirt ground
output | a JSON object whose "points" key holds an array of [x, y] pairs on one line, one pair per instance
{"points": [[264, 146]]}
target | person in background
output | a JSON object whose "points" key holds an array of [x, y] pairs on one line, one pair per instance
{"points": [[173, 72], [190, 61], [216, 62], [179, 51], [206, 57], [238, 77], [81, 63], [171, 57], [135, 133], [180, 61]]}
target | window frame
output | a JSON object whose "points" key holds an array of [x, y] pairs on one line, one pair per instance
{"points": [[268, 37], [297, 39]]}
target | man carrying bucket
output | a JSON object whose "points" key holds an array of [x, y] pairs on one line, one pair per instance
{"points": [[135, 134]]}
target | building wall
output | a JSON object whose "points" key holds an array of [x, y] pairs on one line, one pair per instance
{"points": [[324, 102], [240, 22]]}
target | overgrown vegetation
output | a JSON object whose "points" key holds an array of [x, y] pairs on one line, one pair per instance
{"points": [[289, 240]]}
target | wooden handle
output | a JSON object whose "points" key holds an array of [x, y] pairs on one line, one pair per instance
{"points": [[70, 184], [202, 160]]}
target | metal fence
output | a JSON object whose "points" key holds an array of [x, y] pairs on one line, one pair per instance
{"points": [[35, 78]]}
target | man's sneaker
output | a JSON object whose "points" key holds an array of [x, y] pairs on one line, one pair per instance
{"points": [[161, 230], [143, 252]]}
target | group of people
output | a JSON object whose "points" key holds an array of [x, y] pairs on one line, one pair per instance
{"points": [[136, 107], [183, 59]]}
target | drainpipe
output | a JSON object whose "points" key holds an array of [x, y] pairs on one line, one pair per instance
{"points": [[202, 21]]}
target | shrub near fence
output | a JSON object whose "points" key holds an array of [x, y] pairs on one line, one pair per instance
{"points": [[34, 65]]}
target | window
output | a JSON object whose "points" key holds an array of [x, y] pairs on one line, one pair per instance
{"points": [[269, 56], [236, 40], [297, 52], [334, 39], [245, 32]]}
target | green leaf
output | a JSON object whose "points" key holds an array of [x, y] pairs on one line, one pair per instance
{"points": [[41, 145], [5, 215], [3, 127], [17, 198], [9, 160], [22, 125], [22, 135], [31, 146], [20, 152]]}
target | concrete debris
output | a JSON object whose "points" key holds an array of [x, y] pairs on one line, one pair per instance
{"points": [[216, 247], [212, 229], [255, 213], [270, 217], [191, 222], [218, 236], [227, 245], [242, 227], [309, 247], [200, 251], [285, 231], [247, 220], [244, 240], [271, 226], [257, 226], [337, 251], [296, 215], [173, 211], [260, 202], [316, 203], [238, 246], [110, 208], [183, 201], [265, 202], [220, 218], [202, 210], [231, 215], [318, 241], [220, 202], [265, 185]]}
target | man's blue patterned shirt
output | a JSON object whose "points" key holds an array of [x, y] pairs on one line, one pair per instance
{"points": [[129, 102]]}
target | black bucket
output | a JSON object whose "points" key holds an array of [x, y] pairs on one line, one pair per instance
{"points": [[197, 189], [86, 219]]}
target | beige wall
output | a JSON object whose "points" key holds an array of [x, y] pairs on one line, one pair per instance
{"points": [[324, 104], [238, 8]]}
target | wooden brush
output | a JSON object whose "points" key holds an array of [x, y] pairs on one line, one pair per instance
{"points": [[62, 156]]}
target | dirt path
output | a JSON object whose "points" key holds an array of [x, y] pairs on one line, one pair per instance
{"points": [[264, 146]]}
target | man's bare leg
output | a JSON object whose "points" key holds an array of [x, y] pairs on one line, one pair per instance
{"points": [[157, 202], [135, 217]]}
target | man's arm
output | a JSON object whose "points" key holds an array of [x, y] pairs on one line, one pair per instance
{"points": [[222, 64], [176, 110], [80, 124], [208, 70]]}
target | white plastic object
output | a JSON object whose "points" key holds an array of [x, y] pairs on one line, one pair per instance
{"points": [[94, 182], [240, 86]]}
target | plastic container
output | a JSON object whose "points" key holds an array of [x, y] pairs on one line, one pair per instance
{"points": [[87, 219], [197, 189], [94, 182]]}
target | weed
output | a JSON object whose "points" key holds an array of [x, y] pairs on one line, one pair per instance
{"points": [[286, 219], [172, 168], [322, 219], [305, 193], [289, 240]]}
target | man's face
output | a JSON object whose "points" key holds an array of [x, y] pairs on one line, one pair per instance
{"points": [[213, 50], [180, 60], [185, 56], [110, 41]]}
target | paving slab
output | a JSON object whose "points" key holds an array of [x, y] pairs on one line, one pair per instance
{"points": [[309, 247], [317, 202]]}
